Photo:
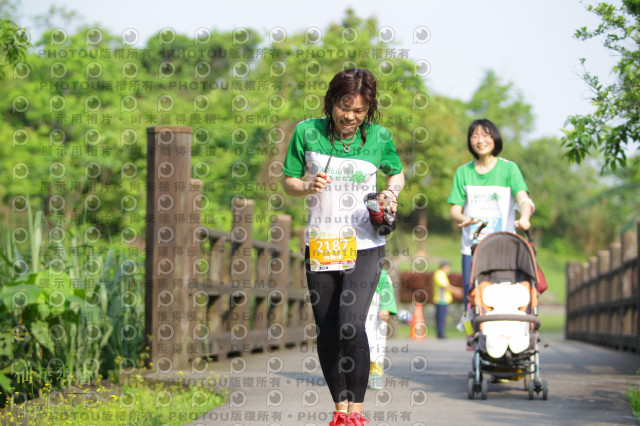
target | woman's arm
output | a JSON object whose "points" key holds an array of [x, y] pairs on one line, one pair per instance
{"points": [[298, 187], [456, 215], [395, 183], [526, 208]]}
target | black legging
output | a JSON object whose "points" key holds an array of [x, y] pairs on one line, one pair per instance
{"points": [[340, 302]]}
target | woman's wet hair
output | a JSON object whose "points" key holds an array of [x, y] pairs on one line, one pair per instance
{"points": [[491, 129], [348, 83]]}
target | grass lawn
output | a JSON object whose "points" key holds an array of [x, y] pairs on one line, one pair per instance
{"points": [[634, 399], [137, 402]]}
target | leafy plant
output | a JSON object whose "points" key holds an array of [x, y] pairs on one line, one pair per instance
{"points": [[61, 301], [634, 398], [613, 128]]}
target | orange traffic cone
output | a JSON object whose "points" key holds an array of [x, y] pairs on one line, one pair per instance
{"points": [[418, 328]]}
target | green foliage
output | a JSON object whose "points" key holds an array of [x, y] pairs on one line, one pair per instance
{"points": [[613, 129], [14, 43], [563, 219], [76, 125], [504, 105], [634, 399], [62, 308], [90, 98], [90, 101]]}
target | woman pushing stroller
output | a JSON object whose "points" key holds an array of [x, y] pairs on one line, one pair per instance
{"points": [[487, 189]]}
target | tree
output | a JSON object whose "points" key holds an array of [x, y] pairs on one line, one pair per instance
{"points": [[570, 212], [613, 129], [504, 105], [14, 42]]}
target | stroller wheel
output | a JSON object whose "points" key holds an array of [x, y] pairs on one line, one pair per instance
{"points": [[470, 391], [530, 389], [485, 388], [527, 379], [471, 375], [545, 389]]}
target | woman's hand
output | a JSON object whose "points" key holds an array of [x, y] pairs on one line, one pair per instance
{"points": [[468, 221], [384, 315], [388, 198], [395, 183], [456, 215], [319, 183], [526, 209], [300, 187], [523, 223]]}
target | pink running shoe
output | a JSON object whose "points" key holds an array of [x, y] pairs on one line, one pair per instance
{"points": [[356, 419], [339, 419]]}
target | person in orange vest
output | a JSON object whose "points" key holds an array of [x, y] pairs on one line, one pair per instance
{"points": [[382, 305], [442, 296]]}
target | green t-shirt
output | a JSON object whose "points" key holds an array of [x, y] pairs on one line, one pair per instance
{"points": [[387, 294], [489, 197], [353, 175]]}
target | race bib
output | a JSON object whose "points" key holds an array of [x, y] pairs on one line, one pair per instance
{"points": [[332, 249]]}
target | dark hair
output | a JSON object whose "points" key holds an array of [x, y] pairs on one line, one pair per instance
{"points": [[444, 263], [490, 128], [352, 82]]}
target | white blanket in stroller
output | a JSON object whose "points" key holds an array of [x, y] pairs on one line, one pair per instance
{"points": [[506, 298]]}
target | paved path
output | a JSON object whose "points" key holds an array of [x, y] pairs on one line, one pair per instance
{"points": [[427, 386]]}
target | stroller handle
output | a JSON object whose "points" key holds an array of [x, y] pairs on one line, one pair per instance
{"points": [[529, 237], [505, 317], [476, 234]]}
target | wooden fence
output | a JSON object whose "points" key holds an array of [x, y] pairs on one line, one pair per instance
{"points": [[603, 296], [211, 293]]}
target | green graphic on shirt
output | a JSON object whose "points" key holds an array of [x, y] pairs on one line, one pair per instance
{"points": [[495, 197], [357, 177]]}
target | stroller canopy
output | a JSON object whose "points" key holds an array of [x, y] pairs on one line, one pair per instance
{"points": [[503, 256]]}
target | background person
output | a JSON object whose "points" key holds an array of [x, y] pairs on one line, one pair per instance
{"points": [[334, 161], [383, 304], [486, 189], [442, 296]]}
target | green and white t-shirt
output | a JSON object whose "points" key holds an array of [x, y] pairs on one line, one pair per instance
{"points": [[489, 197], [353, 176]]}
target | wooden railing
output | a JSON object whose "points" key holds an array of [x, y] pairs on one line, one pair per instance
{"points": [[211, 293], [603, 296]]}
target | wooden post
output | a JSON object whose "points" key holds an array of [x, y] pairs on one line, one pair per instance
{"points": [[167, 263], [260, 312], [218, 321], [615, 294], [636, 290], [198, 301], [307, 318], [602, 314], [574, 280], [280, 235], [629, 249], [572, 300], [241, 272], [586, 289]]}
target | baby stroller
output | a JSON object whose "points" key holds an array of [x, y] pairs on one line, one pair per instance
{"points": [[506, 323]]}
